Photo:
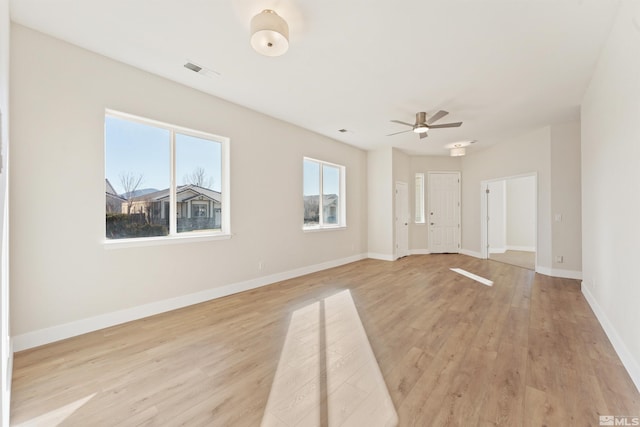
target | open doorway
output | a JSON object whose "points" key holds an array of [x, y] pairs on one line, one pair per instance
{"points": [[511, 222]]}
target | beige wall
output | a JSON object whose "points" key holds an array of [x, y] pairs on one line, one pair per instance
{"points": [[521, 213], [611, 188], [552, 153], [529, 153], [60, 270], [418, 233], [497, 213], [566, 234], [380, 189]]}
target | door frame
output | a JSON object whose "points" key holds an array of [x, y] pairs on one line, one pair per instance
{"points": [[397, 221], [484, 213], [428, 213]]}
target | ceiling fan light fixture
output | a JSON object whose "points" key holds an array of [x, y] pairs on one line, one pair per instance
{"points": [[421, 129], [269, 33]]}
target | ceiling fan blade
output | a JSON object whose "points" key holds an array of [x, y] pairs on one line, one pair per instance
{"points": [[423, 135], [402, 123], [437, 116], [404, 131], [446, 125]]}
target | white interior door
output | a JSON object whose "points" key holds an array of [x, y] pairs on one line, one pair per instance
{"points": [[444, 212], [402, 219]]}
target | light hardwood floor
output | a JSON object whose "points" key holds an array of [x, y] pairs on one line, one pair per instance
{"points": [[527, 351], [518, 258]]}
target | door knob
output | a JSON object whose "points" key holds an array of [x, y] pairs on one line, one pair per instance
{"points": [[433, 223]]}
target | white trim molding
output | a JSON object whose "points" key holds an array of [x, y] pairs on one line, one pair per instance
{"points": [[632, 366], [94, 323], [381, 257], [6, 395], [556, 272], [497, 250], [419, 252], [471, 253], [521, 248]]}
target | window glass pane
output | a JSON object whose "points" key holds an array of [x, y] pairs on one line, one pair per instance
{"points": [[137, 174], [199, 180], [331, 194], [311, 193], [419, 197]]}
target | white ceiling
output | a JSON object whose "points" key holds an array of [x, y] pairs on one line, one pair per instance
{"points": [[501, 67]]}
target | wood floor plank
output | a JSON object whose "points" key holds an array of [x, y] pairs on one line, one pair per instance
{"points": [[527, 351], [504, 400]]}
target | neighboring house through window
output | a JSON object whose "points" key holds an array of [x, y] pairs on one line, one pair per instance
{"points": [[163, 180], [323, 194]]}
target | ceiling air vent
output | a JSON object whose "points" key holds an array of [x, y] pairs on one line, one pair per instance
{"points": [[193, 67], [201, 70]]}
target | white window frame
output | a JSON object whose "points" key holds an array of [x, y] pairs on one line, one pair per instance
{"points": [[419, 217], [174, 236], [342, 206]]}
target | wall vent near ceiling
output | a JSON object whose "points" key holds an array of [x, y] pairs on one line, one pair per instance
{"points": [[201, 70], [193, 67]]}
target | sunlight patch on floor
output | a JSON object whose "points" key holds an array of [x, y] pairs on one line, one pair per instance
{"points": [[57, 416], [473, 276], [327, 374]]}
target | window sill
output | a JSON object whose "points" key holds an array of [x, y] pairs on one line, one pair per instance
{"points": [[161, 241], [317, 229]]}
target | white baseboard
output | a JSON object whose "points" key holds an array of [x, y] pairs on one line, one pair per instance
{"points": [[471, 253], [419, 251], [521, 248], [497, 250], [6, 393], [632, 365], [381, 257], [556, 272], [90, 324]]}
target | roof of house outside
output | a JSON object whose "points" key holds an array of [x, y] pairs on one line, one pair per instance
{"points": [[111, 192], [182, 193]]}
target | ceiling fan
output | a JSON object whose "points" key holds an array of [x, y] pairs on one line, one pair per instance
{"points": [[422, 125]]}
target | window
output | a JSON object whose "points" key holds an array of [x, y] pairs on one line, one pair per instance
{"points": [[163, 180], [323, 194], [419, 196]]}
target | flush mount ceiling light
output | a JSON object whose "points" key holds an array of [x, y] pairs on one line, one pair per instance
{"points": [[457, 149], [269, 33]]}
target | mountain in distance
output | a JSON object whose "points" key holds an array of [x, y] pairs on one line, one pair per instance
{"points": [[138, 193]]}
